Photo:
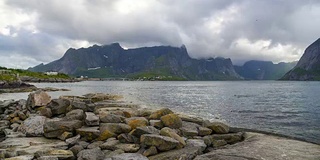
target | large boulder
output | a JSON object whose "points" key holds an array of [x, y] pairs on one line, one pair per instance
{"points": [[162, 143], [55, 127], [38, 99], [189, 129], [135, 122], [217, 127], [159, 113], [230, 138], [91, 154], [106, 117], [171, 120], [59, 106], [33, 126]]}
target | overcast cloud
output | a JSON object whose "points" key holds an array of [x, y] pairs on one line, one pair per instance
{"points": [[40, 31]]}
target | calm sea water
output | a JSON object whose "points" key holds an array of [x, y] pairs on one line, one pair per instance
{"points": [[288, 108]]}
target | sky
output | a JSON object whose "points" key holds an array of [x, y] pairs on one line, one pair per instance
{"points": [[40, 31]]}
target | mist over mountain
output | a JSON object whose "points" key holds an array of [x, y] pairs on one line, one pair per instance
{"points": [[166, 62]]}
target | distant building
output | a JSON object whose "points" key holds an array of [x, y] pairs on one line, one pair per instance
{"points": [[51, 73]]}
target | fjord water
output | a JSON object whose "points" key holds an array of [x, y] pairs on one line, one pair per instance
{"points": [[288, 108]]}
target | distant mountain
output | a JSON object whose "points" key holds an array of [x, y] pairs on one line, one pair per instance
{"points": [[263, 70], [308, 67], [160, 62]]}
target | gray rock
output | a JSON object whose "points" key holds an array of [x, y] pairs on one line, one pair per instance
{"points": [[25, 157], [127, 138], [79, 105], [110, 144], [131, 148], [33, 126], [159, 113], [108, 154], [91, 119], [204, 131], [91, 154], [73, 140], [76, 149], [94, 144], [196, 143], [189, 129], [144, 130], [76, 114], [261, 146], [166, 131], [84, 144], [162, 143], [65, 135], [54, 128], [58, 106], [110, 118], [188, 153], [129, 156]]}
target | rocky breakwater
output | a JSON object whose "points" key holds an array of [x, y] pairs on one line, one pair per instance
{"points": [[102, 127], [47, 80]]}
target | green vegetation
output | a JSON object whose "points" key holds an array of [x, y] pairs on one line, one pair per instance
{"points": [[8, 74], [159, 74]]}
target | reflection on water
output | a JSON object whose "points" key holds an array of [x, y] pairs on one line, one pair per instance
{"points": [[290, 108]]}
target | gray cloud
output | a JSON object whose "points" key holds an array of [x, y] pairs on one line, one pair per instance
{"points": [[276, 30]]}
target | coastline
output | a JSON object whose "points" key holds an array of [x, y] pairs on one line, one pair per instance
{"points": [[193, 145]]}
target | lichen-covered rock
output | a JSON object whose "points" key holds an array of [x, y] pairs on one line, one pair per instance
{"points": [[116, 128], [92, 119], [129, 156], [162, 143], [65, 135], [144, 130], [33, 126], [135, 122], [55, 127], [159, 113], [196, 143], [166, 131], [37, 99], [105, 134], [77, 114], [89, 133], [171, 120], [58, 106], [91, 154], [25, 157], [217, 127]]}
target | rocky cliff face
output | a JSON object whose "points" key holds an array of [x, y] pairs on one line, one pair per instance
{"points": [[263, 70], [308, 67], [114, 61]]}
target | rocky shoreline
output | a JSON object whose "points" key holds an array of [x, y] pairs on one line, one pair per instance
{"points": [[103, 127]]}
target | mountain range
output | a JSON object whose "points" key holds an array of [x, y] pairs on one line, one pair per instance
{"points": [[158, 63]]}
